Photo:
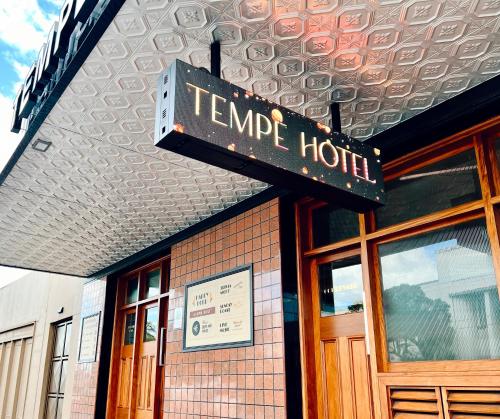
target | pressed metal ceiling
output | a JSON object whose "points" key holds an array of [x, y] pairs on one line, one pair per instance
{"points": [[103, 192]]}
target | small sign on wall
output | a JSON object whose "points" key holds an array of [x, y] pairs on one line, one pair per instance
{"points": [[218, 311], [89, 335]]}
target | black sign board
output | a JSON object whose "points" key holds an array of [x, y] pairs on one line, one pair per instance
{"points": [[211, 120]]}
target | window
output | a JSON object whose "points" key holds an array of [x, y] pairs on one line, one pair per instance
{"points": [[341, 286], [438, 186], [153, 283], [150, 324], [129, 329], [58, 370], [332, 224], [440, 297], [132, 290]]}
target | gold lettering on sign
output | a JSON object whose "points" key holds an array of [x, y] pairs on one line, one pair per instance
{"points": [[198, 90], [333, 150], [215, 112], [366, 174], [277, 137], [343, 158], [258, 122], [233, 116], [355, 168], [304, 146], [224, 112]]}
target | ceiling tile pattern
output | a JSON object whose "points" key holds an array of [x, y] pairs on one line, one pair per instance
{"points": [[103, 191]]}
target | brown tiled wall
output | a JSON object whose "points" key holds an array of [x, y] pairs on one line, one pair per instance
{"points": [[230, 383], [85, 381]]}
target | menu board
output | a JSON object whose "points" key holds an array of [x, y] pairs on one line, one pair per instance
{"points": [[88, 338], [218, 311]]}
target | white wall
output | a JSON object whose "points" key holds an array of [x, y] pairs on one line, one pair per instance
{"points": [[35, 299]]}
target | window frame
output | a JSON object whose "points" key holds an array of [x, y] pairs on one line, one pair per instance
{"points": [[63, 357], [427, 365], [482, 208], [122, 308], [481, 139]]}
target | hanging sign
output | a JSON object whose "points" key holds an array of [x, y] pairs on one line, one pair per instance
{"points": [[76, 21], [211, 120], [218, 311]]}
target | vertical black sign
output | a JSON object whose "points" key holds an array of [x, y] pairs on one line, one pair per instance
{"points": [[214, 121]]}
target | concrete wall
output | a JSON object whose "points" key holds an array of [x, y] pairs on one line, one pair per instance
{"points": [[29, 306]]}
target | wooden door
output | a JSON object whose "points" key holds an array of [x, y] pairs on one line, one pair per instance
{"points": [[146, 361], [344, 363], [135, 388], [128, 321]]}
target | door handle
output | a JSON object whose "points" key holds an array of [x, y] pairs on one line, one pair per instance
{"points": [[161, 358]]}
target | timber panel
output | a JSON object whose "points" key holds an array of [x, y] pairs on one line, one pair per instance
{"points": [[415, 403], [466, 403], [15, 357]]}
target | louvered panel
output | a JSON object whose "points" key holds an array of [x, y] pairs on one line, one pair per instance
{"points": [[415, 403], [480, 408], [474, 416], [469, 403], [474, 397], [405, 415], [414, 406]]}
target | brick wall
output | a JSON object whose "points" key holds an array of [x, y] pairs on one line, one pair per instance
{"points": [[241, 382], [85, 379]]}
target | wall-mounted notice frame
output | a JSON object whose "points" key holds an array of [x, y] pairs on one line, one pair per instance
{"points": [[218, 311], [89, 335]]}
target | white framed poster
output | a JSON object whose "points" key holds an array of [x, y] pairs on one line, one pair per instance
{"points": [[218, 311], [89, 335]]}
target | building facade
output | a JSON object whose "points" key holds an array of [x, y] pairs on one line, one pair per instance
{"points": [[307, 309], [38, 345]]}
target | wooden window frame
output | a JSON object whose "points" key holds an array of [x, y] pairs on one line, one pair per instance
{"points": [[118, 331], [482, 139]]}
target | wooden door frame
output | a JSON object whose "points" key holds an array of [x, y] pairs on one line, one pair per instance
{"points": [[481, 138], [162, 298], [308, 259]]}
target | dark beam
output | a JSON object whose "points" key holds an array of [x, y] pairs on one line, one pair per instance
{"points": [[335, 112], [215, 58]]}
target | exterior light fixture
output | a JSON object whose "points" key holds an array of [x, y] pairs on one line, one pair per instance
{"points": [[41, 145]]}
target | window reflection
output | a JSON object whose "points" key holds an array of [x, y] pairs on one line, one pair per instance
{"points": [[129, 329], [153, 284], [58, 370], [332, 224], [440, 296], [132, 290], [55, 377], [438, 186], [67, 340], [341, 287], [150, 324], [59, 340]]}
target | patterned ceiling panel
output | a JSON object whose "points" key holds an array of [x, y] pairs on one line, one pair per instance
{"points": [[102, 191]]}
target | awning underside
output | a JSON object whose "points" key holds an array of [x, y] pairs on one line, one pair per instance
{"points": [[102, 191]]}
